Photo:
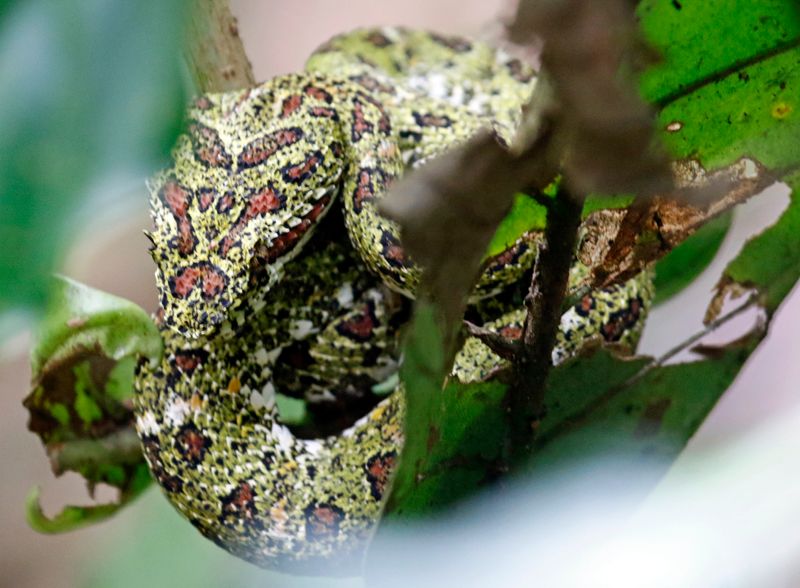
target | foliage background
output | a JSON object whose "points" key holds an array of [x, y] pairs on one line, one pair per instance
{"points": [[148, 542]]}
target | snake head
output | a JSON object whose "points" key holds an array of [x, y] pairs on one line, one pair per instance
{"points": [[199, 279], [208, 263], [249, 182]]}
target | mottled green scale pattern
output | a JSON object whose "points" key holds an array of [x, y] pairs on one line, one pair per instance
{"points": [[257, 298]]}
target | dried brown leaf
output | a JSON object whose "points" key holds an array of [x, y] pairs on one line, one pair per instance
{"points": [[619, 244]]}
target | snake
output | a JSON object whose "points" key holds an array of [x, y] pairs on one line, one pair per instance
{"points": [[278, 275]]}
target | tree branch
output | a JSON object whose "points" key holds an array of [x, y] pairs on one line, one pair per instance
{"points": [[215, 52], [545, 299]]}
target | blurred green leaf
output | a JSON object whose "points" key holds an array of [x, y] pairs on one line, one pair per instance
{"points": [[83, 366], [75, 517], [682, 265], [89, 90]]}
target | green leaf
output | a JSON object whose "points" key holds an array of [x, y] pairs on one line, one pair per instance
{"points": [[682, 265], [88, 90], [82, 317], [770, 262], [452, 454], [422, 374], [700, 40], [83, 365], [71, 517], [652, 417], [739, 95]]}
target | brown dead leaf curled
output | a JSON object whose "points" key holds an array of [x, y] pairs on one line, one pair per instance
{"points": [[619, 244]]}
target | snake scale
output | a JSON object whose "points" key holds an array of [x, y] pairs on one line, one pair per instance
{"points": [[276, 274]]}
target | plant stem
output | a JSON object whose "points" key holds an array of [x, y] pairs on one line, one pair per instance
{"points": [[215, 52]]}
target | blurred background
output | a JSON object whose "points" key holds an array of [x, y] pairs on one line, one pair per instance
{"points": [[148, 543]]}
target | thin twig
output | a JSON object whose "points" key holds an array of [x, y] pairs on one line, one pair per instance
{"points": [[502, 346], [709, 328]]}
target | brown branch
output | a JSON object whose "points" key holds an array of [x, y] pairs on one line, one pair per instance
{"points": [[215, 53], [502, 346], [545, 300]]}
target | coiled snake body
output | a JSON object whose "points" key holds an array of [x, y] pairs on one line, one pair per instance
{"points": [[263, 290]]}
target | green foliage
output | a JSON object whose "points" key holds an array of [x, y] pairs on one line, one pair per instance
{"points": [[87, 90], [729, 102], [83, 367]]}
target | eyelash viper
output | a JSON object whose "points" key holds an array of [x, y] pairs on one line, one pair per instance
{"points": [[276, 273]]}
